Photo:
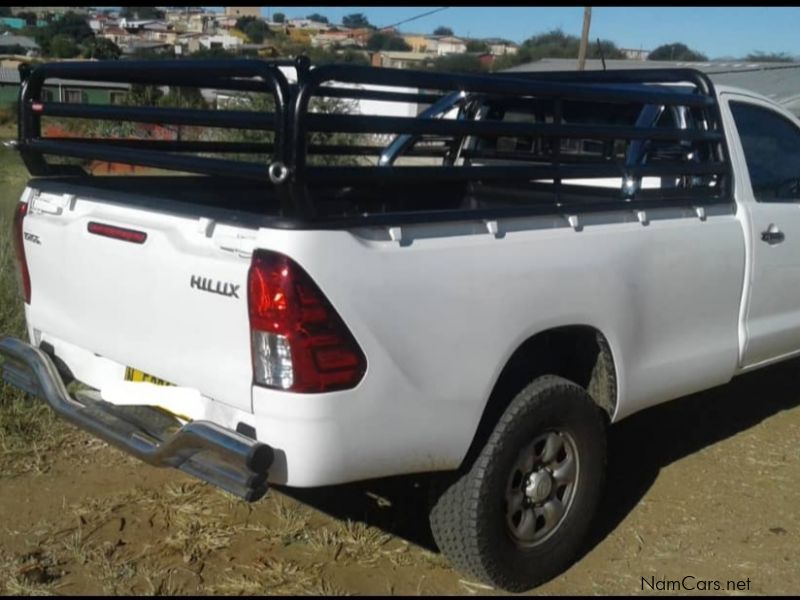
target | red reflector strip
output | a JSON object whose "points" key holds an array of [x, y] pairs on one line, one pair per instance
{"points": [[37, 107], [117, 233]]}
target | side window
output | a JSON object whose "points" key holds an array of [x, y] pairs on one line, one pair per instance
{"points": [[73, 96], [771, 146]]}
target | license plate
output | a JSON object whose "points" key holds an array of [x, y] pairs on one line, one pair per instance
{"points": [[137, 375]]}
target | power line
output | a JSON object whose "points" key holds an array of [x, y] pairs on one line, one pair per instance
{"points": [[430, 12], [414, 18]]}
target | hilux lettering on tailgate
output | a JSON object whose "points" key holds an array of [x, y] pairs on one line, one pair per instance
{"points": [[216, 287]]}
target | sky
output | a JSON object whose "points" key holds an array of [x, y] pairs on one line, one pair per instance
{"points": [[718, 32]]}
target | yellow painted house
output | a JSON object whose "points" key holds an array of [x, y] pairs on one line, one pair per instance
{"points": [[418, 43]]}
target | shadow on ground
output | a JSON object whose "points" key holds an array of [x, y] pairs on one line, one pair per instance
{"points": [[639, 447]]}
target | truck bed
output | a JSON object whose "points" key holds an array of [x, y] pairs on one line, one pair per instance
{"points": [[308, 163]]}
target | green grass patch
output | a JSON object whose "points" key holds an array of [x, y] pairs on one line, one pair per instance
{"points": [[12, 181]]}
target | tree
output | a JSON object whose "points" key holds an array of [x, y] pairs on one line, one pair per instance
{"points": [[458, 63], [555, 44], [387, 41], [74, 25], [257, 31], [356, 21], [215, 52], [70, 25], [609, 50], [759, 56], [351, 57], [676, 51], [144, 95], [152, 54], [322, 56], [318, 18], [29, 17], [278, 18], [141, 12], [253, 28], [477, 46], [243, 22], [183, 97], [442, 30], [63, 46], [15, 49], [101, 49]]}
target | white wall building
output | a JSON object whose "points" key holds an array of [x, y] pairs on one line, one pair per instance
{"points": [[450, 45], [228, 42]]}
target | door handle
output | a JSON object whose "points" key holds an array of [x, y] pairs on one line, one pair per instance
{"points": [[772, 235]]}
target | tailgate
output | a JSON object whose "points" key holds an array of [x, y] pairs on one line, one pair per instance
{"points": [[173, 305]]}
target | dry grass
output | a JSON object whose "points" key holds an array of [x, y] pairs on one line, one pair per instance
{"points": [[33, 574], [353, 541], [275, 576], [28, 430]]}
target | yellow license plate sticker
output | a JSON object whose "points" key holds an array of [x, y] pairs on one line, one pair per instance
{"points": [[137, 375]]}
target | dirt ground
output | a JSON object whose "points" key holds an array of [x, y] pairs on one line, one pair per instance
{"points": [[705, 488]]}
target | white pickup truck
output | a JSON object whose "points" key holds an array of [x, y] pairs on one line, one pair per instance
{"points": [[567, 250]]}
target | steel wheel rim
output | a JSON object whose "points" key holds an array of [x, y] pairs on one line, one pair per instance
{"points": [[541, 487]]}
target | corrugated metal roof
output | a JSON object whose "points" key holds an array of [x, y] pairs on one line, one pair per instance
{"points": [[396, 54], [82, 83], [8, 75], [18, 40], [595, 64], [778, 81]]}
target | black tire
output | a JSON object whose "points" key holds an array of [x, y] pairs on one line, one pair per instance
{"points": [[471, 520]]}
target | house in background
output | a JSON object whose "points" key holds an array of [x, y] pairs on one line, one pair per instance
{"points": [[243, 11], [420, 43], [341, 39], [500, 47], [140, 45], [187, 43], [117, 35], [42, 11], [400, 60], [63, 90], [632, 54], [19, 23], [450, 45], [226, 41], [308, 24]]}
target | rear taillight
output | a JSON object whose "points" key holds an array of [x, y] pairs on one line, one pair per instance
{"points": [[19, 247], [299, 342]]}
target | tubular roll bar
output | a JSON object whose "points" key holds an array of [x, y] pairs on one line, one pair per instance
{"points": [[295, 123]]}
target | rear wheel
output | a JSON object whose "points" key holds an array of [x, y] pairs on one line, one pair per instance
{"points": [[519, 514]]}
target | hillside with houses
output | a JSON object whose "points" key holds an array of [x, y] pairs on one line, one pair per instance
{"points": [[238, 31], [29, 35]]}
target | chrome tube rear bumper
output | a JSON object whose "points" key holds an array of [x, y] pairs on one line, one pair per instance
{"points": [[203, 449]]}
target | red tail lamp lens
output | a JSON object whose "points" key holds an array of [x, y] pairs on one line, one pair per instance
{"points": [[299, 341]]}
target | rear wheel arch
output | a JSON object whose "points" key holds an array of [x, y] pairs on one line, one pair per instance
{"points": [[579, 353]]}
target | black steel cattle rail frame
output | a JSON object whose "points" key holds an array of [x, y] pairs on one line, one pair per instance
{"points": [[293, 121]]}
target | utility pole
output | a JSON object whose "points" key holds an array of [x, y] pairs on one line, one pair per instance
{"points": [[587, 19]]}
